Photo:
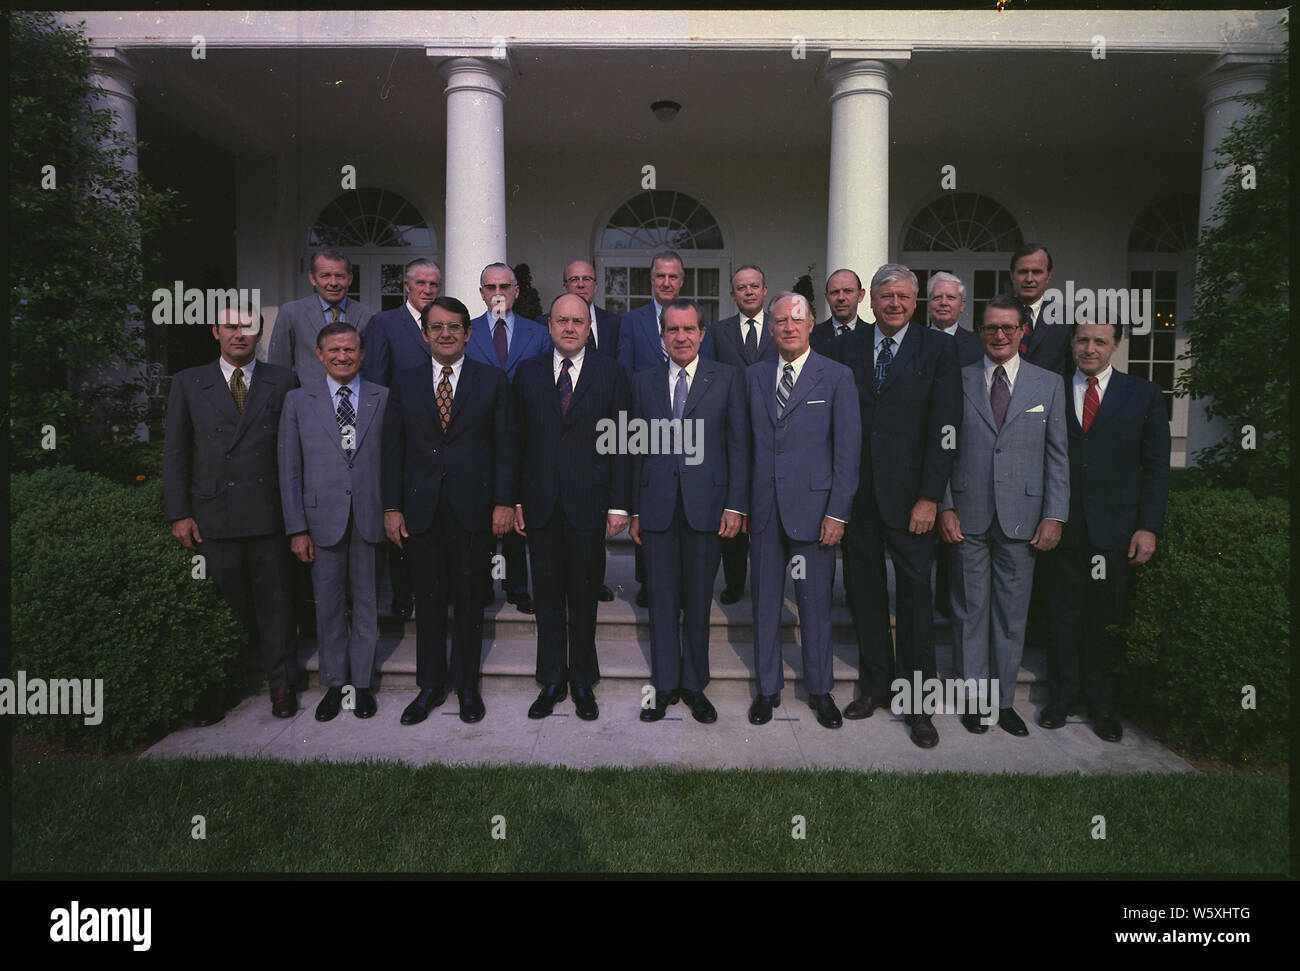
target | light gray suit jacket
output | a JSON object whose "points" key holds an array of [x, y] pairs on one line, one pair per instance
{"points": [[1021, 472], [293, 338], [319, 486]]}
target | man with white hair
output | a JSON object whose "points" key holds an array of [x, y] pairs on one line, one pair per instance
{"points": [[945, 299]]}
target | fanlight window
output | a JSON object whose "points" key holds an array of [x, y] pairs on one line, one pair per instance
{"points": [[366, 218], [963, 221], [1168, 226], [662, 219]]}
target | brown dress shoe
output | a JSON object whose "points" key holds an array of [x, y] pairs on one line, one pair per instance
{"points": [[864, 706], [283, 702]]}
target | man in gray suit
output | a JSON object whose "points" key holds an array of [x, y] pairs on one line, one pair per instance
{"points": [[293, 338], [1007, 500], [329, 448]]}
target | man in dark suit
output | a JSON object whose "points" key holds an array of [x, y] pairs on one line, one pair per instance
{"points": [[580, 279], [293, 337], [741, 340], [329, 449], [1119, 483], [450, 447], [909, 391], [1007, 499], [221, 490], [574, 492], [945, 300], [805, 446], [503, 339], [685, 499], [395, 342], [844, 294]]}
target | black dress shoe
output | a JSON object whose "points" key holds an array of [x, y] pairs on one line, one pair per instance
{"points": [[864, 706], [828, 716], [922, 731], [702, 709], [427, 700], [210, 709], [973, 723], [660, 708], [760, 712], [1053, 716], [551, 695], [730, 595], [366, 705], [471, 705], [1106, 725], [642, 599], [584, 703], [1009, 721], [329, 705], [522, 601], [605, 595]]}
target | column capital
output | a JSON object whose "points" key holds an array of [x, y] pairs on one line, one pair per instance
{"points": [[1232, 75], [112, 63], [476, 71], [862, 72]]}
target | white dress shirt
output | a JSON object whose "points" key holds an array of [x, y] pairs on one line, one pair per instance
{"points": [[758, 321], [798, 363], [456, 365], [228, 370], [880, 337], [1011, 367], [1080, 388]]}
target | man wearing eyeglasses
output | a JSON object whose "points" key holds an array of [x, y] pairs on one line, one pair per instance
{"points": [[580, 279], [448, 487]]}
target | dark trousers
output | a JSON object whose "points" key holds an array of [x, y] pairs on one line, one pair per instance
{"points": [[566, 563], [515, 549], [735, 561], [255, 576], [447, 566], [865, 541], [1081, 653], [399, 574], [681, 564]]}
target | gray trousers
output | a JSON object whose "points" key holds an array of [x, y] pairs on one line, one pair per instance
{"points": [[346, 568], [770, 551]]}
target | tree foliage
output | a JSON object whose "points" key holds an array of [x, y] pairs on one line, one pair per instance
{"points": [[77, 214], [1239, 332]]}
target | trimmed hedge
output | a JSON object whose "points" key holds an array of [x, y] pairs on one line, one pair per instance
{"points": [[1211, 614], [100, 589]]}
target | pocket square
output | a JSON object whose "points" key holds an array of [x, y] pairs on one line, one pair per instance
{"points": [[819, 401], [1029, 411]]}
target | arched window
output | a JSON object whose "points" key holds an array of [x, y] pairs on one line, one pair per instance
{"points": [[1169, 226], [657, 220], [381, 232], [967, 234]]}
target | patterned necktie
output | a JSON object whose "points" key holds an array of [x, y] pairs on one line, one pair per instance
{"points": [[1028, 331], [1090, 404], [500, 343], [679, 394], [751, 340], [841, 329], [238, 390], [334, 309], [443, 397], [883, 360], [999, 396], [787, 386], [347, 421], [564, 386]]}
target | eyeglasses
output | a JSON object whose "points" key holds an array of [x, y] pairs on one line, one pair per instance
{"points": [[581, 279], [1006, 329], [454, 328]]}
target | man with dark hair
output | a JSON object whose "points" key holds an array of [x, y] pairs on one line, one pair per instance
{"points": [[293, 337], [1119, 483], [450, 447], [1045, 336], [844, 294], [221, 490], [329, 451]]}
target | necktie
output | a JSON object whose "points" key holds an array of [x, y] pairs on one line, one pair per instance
{"points": [[1028, 331], [564, 386], [443, 397], [334, 310], [347, 421], [500, 343], [841, 329], [679, 394], [591, 337], [883, 360], [238, 390], [1090, 404], [751, 340], [999, 396], [787, 385]]}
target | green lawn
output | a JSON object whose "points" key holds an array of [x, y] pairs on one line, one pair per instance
{"points": [[135, 816]]}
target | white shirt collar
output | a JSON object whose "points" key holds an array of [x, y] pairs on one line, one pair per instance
{"points": [[354, 385], [228, 370], [880, 335], [1011, 368]]}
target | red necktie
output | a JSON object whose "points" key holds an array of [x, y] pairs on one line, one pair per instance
{"points": [[1028, 332], [564, 387], [1090, 404]]}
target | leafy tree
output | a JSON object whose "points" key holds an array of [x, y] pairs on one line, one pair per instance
{"points": [[78, 215], [529, 303], [1239, 333]]}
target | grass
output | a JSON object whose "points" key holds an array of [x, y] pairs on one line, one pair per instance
{"points": [[122, 815]]}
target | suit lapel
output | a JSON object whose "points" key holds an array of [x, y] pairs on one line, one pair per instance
{"points": [[1025, 390], [972, 379], [258, 395], [767, 384], [217, 392], [902, 360], [704, 374], [586, 379], [366, 408], [323, 406], [517, 343], [415, 336], [809, 378]]}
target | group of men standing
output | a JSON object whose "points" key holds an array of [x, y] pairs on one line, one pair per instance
{"points": [[438, 434]]}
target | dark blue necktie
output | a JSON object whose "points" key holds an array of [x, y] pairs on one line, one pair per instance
{"points": [[883, 360]]}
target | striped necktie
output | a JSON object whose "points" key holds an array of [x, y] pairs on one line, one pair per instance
{"points": [[347, 419], [787, 386]]}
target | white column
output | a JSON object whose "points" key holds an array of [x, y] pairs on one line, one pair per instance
{"points": [[476, 174], [857, 224]]}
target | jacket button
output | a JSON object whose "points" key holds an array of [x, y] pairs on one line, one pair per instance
{"points": [[228, 456], [347, 491], [230, 483], [997, 451]]}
